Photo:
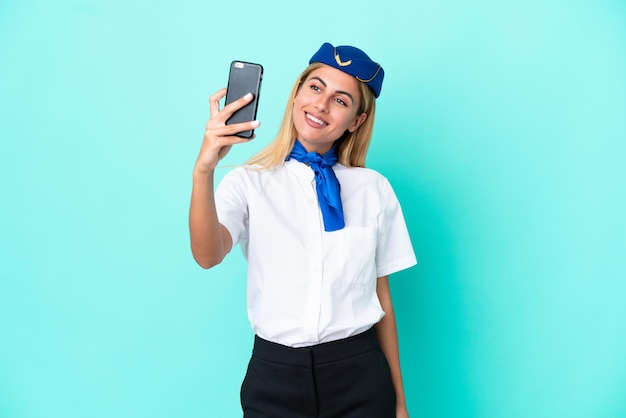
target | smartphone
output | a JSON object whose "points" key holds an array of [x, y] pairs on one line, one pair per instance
{"points": [[244, 77]]}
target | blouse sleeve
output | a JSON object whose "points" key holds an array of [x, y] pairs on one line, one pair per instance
{"points": [[394, 251]]}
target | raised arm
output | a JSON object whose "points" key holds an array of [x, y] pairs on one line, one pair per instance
{"points": [[210, 241]]}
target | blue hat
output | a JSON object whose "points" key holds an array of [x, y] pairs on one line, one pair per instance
{"points": [[352, 61]]}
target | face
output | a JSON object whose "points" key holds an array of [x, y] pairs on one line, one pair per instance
{"points": [[325, 107]]}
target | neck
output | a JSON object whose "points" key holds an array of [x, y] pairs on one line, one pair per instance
{"points": [[321, 150]]}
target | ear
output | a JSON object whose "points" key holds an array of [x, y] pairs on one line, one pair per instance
{"points": [[358, 122]]}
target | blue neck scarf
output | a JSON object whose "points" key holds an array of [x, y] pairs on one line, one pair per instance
{"points": [[326, 183]]}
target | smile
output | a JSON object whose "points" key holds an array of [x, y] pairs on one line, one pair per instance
{"points": [[315, 120]]}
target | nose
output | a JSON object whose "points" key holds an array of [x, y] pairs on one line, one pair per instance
{"points": [[321, 103]]}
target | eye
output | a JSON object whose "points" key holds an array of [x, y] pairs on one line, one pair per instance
{"points": [[315, 88], [340, 102]]}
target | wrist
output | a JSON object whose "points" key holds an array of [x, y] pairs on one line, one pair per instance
{"points": [[402, 411], [401, 403], [202, 173]]}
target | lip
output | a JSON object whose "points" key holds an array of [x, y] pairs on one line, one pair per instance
{"points": [[314, 123]]}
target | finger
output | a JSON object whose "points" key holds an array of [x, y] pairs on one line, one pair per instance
{"points": [[240, 127], [214, 132], [231, 108], [214, 102], [234, 140]]}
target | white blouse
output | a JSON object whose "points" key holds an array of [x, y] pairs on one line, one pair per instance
{"points": [[307, 286]]}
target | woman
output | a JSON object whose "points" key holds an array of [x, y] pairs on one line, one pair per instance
{"points": [[321, 235]]}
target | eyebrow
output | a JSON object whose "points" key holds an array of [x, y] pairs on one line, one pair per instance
{"points": [[338, 91]]}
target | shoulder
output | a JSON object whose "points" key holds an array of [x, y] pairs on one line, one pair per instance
{"points": [[357, 171], [250, 177], [354, 180], [249, 173], [361, 175]]}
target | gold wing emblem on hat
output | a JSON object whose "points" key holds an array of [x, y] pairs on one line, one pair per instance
{"points": [[339, 62]]}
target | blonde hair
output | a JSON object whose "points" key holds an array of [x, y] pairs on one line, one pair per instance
{"points": [[351, 147]]}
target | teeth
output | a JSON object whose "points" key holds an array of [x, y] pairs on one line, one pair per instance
{"points": [[314, 119]]}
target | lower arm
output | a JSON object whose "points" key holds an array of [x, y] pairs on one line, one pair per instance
{"points": [[388, 337]]}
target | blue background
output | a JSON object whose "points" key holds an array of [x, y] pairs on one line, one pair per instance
{"points": [[501, 125]]}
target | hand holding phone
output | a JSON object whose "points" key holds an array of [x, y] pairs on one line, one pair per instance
{"points": [[244, 77]]}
